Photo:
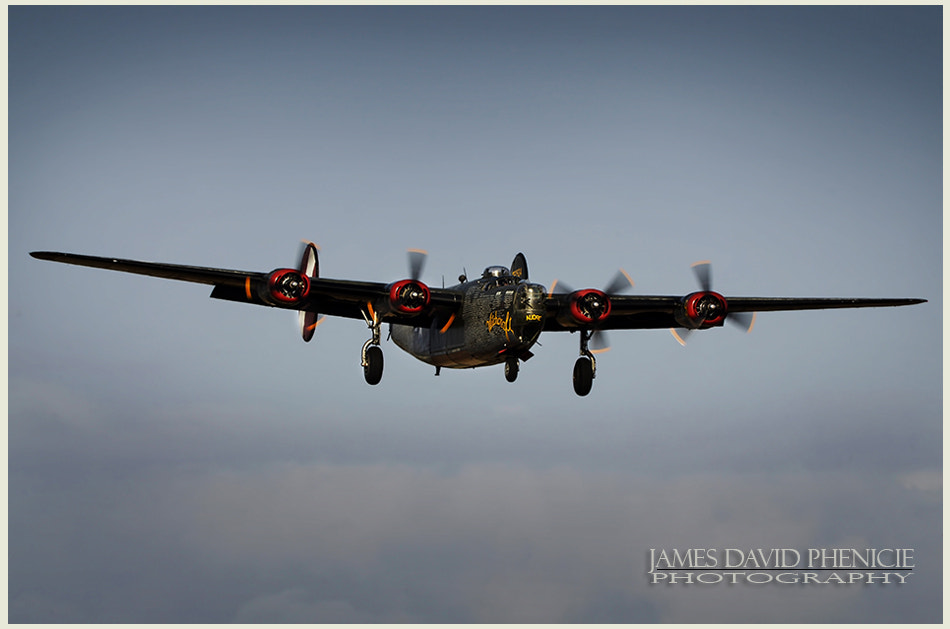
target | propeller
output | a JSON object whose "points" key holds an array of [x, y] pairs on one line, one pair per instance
{"points": [[620, 282], [599, 342], [681, 335], [744, 320], [417, 261], [307, 254], [411, 295], [309, 266], [703, 272]]}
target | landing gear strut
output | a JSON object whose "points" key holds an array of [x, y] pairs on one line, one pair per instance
{"points": [[511, 369], [585, 367], [372, 355]]}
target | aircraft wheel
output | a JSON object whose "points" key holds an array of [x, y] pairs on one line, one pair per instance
{"points": [[511, 369], [583, 376], [373, 370]]}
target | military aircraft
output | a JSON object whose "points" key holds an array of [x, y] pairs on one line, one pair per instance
{"points": [[494, 319]]}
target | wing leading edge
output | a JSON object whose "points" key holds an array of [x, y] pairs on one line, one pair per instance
{"points": [[196, 274], [342, 298], [347, 298]]}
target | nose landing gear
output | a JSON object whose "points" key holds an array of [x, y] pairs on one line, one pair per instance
{"points": [[511, 369]]}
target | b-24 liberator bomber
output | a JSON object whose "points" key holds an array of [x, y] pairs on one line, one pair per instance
{"points": [[494, 319]]}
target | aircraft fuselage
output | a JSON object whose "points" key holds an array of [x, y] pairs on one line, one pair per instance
{"points": [[501, 317]]}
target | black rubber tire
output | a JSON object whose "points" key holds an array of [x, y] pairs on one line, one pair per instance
{"points": [[511, 369], [373, 371], [583, 376]]}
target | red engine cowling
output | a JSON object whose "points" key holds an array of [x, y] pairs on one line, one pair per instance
{"points": [[589, 306], [702, 310], [408, 296], [285, 287]]}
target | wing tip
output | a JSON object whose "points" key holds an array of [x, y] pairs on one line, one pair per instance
{"points": [[912, 301]]}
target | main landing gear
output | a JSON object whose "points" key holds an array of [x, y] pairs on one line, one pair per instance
{"points": [[372, 363], [585, 367], [372, 354]]}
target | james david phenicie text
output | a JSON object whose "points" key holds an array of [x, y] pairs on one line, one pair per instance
{"points": [[817, 566]]}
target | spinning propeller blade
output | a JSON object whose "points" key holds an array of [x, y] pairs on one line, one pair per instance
{"points": [[681, 335], [744, 320], [417, 261], [565, 289], [620, 282], [309, 266], [309, 263], [703, 272], [599, 343]]}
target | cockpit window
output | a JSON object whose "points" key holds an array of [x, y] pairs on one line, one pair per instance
{"points": [[496, 271]]}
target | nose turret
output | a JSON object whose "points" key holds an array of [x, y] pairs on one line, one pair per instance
{"points": [[528, 311]]}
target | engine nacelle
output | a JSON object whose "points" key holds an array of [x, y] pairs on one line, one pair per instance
{"points": [[589, 306], [702, 310], [285, 287], [408, 296]]}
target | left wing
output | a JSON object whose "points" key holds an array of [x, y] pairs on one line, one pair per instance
{"points": [[607, 309], [407, 301], [694, 311]]}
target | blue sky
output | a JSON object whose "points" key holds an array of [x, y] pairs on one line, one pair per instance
{"points": [[178, 459]]}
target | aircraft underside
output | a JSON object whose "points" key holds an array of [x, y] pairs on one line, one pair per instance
{"points": [[424, 344]]}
